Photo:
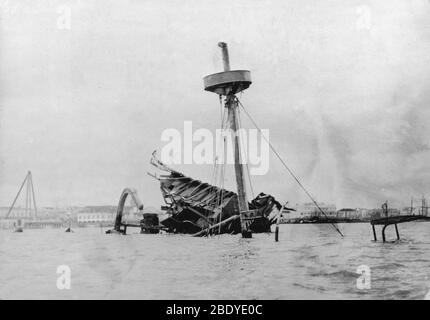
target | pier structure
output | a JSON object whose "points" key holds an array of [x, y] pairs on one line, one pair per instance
{"points": [[41, 224], [395, 220]]}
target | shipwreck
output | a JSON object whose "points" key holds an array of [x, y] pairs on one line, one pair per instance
{"points": [[200, 208]]}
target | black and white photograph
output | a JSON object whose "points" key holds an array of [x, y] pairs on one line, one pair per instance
{"points": [[214, 150]]}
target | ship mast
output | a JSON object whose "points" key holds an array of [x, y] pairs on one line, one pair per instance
{"points": [[227, 84]]}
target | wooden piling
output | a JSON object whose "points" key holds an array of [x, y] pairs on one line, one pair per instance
{"points": [[397, 231], [374, 233], [394, 220]]}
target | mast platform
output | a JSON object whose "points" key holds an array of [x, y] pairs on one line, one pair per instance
{"points": [[228, 82]]}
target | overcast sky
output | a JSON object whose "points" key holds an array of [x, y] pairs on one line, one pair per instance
{"points": [[343, 87]]}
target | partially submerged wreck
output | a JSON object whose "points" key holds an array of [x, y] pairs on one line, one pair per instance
{"points": [[199, 208]]}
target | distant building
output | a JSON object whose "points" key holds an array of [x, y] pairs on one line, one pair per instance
{"points": [[409, 211], [349, 213], [363, 214], [393, 212], [7, 224], [375, 213], [17, 212], [96, 217], [310, 210], [379, 213]]}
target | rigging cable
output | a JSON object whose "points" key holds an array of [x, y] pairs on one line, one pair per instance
{"points": [[215, 169], [222, 191], [222, 175], [214, 178], [247, 155], [286, 167], [219, 167]]}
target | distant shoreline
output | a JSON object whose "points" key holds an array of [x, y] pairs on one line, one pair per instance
{"points": [[321, 221]]}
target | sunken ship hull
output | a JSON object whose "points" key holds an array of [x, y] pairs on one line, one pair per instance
{"points": [[199, 208]]}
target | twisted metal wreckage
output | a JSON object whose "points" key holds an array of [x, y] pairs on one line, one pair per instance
{"points": [[199, 208]]}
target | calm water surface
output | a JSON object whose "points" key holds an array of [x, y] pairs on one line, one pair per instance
{"points": [[309, 262]]}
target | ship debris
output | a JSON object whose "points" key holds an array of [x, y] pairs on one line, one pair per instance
{"points": [[199, 208]]}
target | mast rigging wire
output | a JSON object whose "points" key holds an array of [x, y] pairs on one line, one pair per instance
{"points": [[246, 153], [286, 167]]}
